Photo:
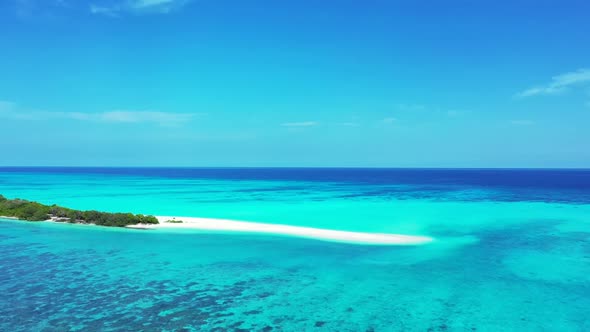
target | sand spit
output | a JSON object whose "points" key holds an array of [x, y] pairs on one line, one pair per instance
{"points": [[278, 229]]}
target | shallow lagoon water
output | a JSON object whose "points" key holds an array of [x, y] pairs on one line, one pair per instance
{"points": [[508, 258]]}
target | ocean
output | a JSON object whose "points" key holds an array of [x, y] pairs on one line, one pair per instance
{"points": [[511, 251]]}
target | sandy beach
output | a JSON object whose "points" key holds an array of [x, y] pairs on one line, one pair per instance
{"points": [[278, 229]]}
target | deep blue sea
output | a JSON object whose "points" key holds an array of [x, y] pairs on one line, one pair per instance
{"points": [[511, 251]]}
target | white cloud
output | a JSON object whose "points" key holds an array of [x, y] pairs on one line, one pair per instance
{"points": [[108, 11], [151, 3], [138, 7], [45, 8], [42, 115], [300, 124], [558, 84], [145, 116], [13, 111]]}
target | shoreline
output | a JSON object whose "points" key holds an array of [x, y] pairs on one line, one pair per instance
{"points": [[212, 224], [235, 226]]}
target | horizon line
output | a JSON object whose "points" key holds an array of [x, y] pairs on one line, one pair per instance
{"points": [[307, 167]]}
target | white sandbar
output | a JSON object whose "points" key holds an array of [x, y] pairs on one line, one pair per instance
{"points": [[297, 231]]}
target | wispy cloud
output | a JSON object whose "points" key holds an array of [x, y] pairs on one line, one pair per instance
{"points": [[145, 116], [108, 11], [300, 124], [13, 111], [558, 84], [138, 7], [152, 3], [30, 8], [111, 8]]}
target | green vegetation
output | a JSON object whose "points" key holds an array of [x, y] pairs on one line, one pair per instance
{"points": [[174, 221], [33, 211]]}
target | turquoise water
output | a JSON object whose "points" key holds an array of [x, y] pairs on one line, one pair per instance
{"points": [[506, 257]]}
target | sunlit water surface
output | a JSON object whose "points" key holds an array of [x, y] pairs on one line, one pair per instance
{"points": [[511, 252]]}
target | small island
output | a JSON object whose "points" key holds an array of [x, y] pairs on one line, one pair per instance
{"points": [[32, 211]]}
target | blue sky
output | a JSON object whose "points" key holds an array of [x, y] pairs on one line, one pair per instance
{"points": [[295, 83]]}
